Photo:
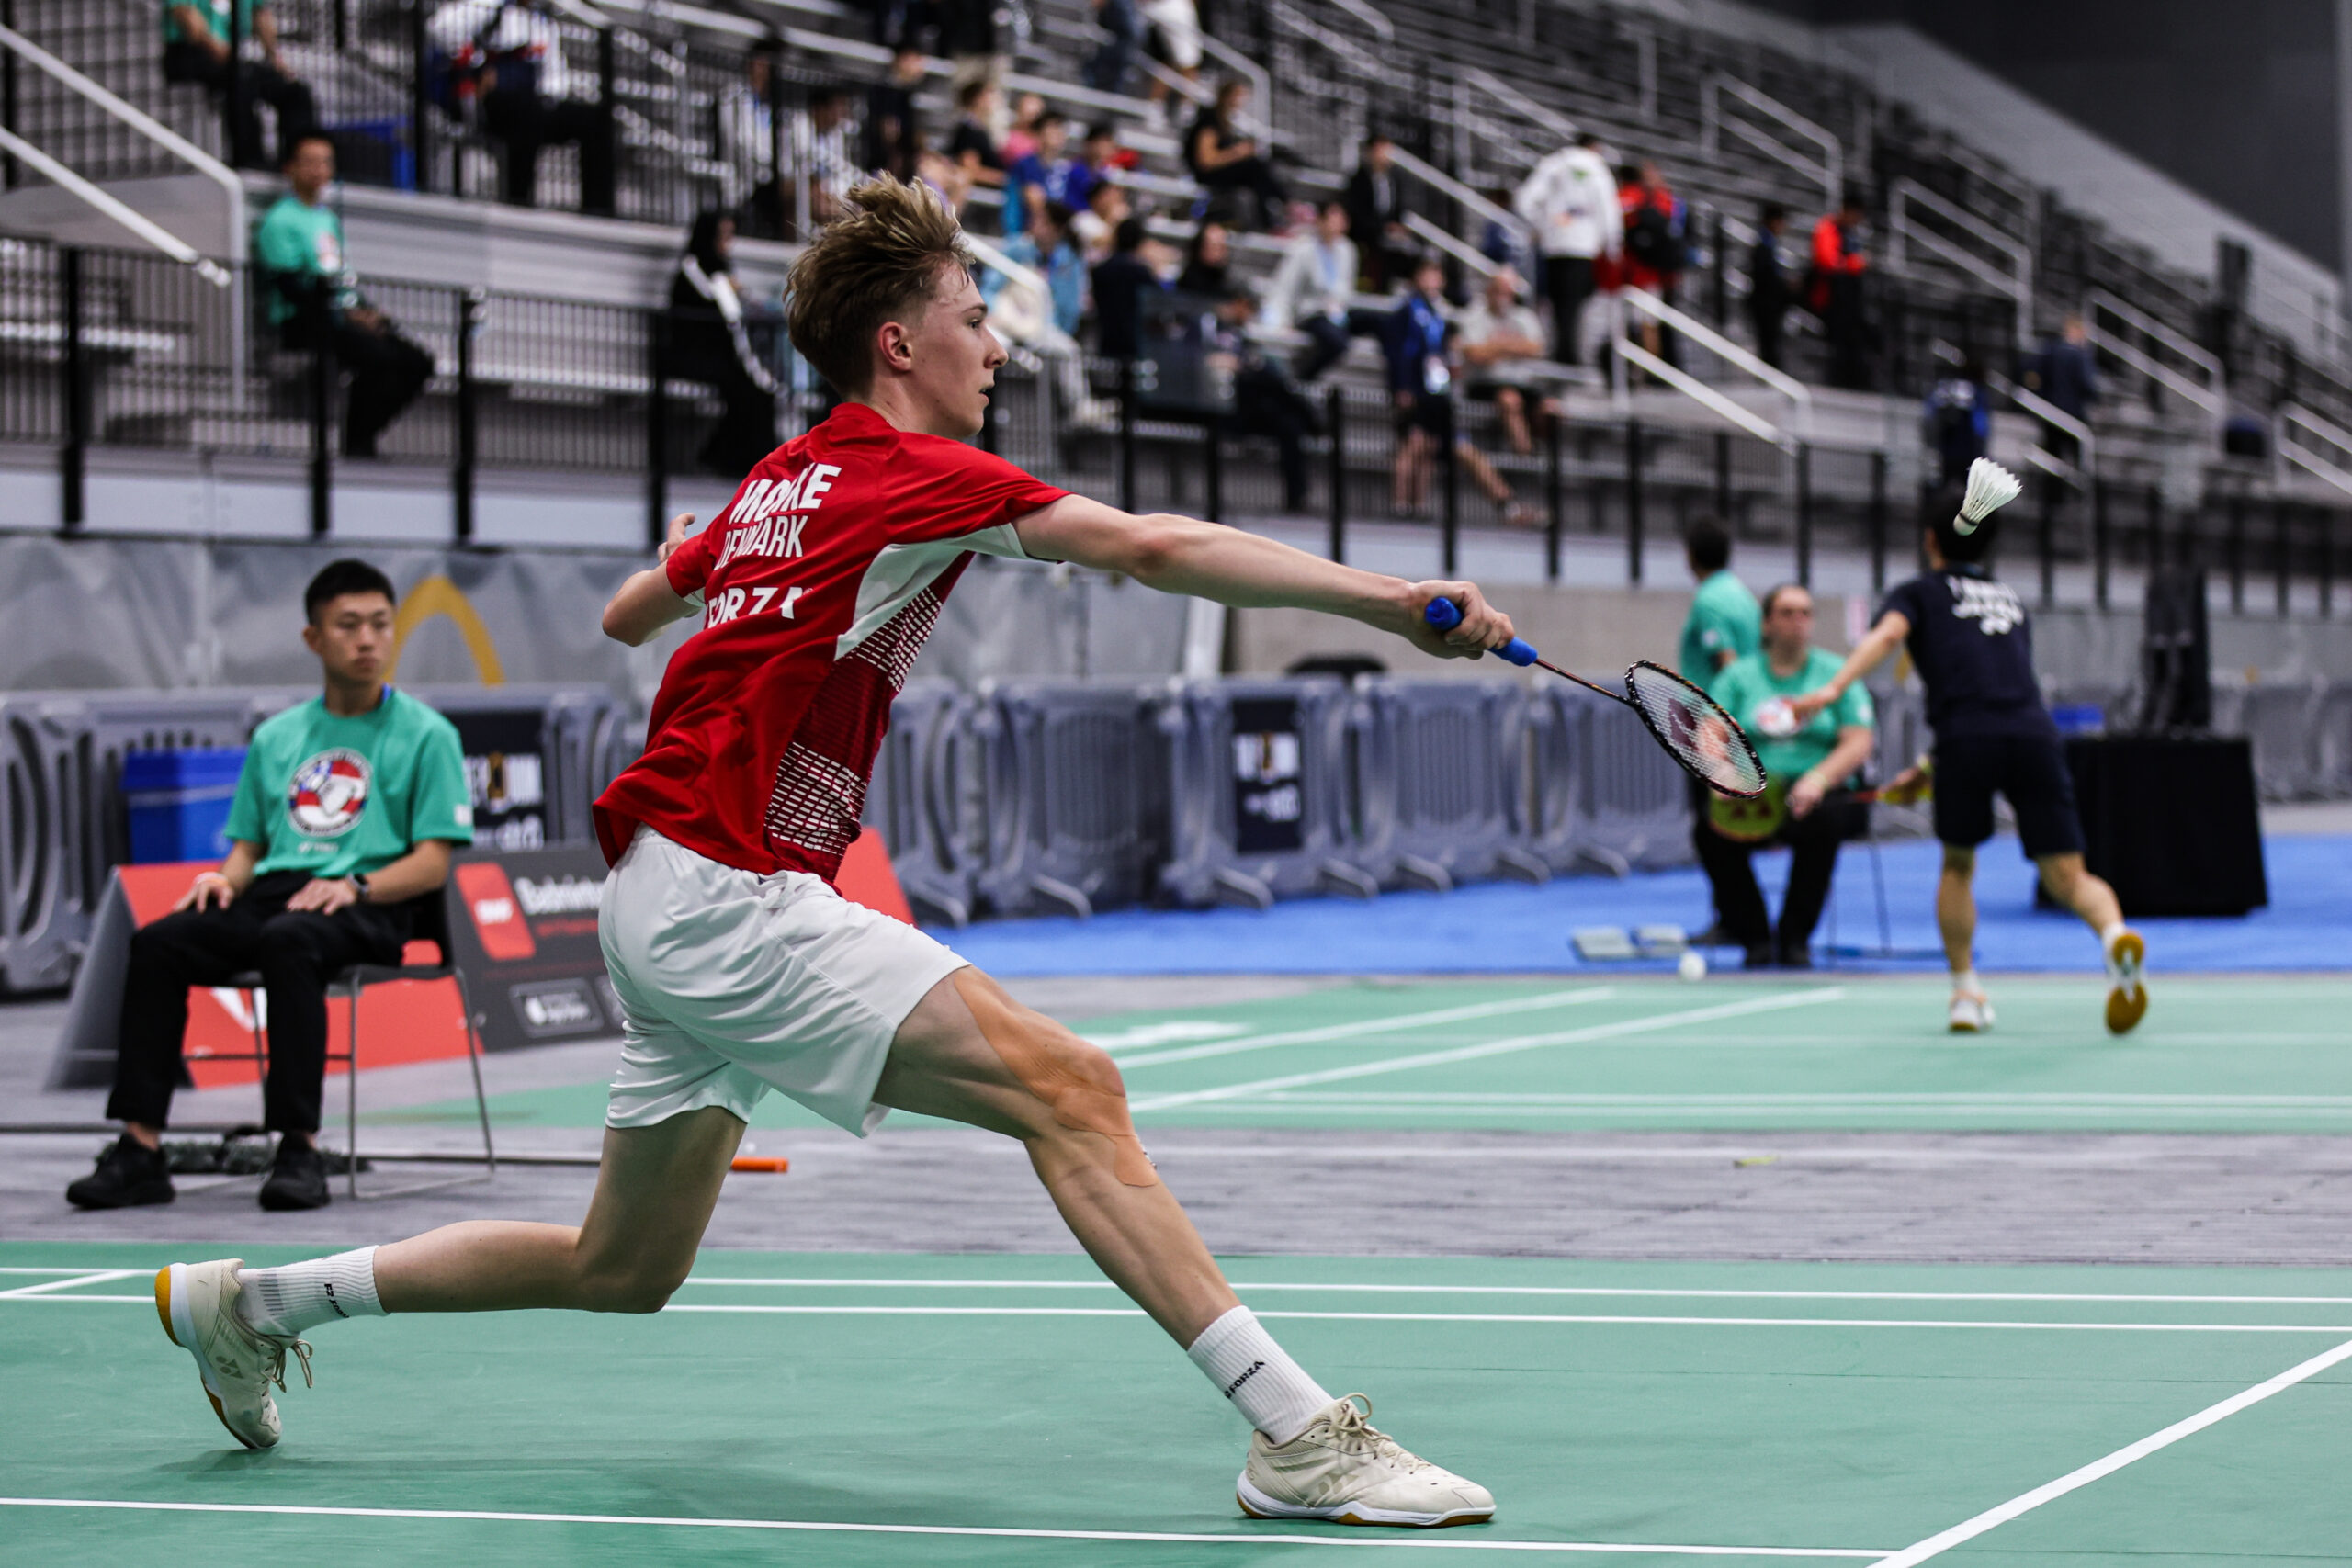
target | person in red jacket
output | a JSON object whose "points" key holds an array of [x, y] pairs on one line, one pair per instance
{"points": [[1656, 247], [1836, 293]]}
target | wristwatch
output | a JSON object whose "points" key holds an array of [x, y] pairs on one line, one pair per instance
{"points": [[360, 885]]}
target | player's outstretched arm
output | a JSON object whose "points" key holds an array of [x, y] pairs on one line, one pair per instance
{"points": [[647, 603], [1884, 639], [1184, 555]]}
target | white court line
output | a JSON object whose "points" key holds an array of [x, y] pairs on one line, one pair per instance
{"points": [[801, 1282], [1968, 1529], [1464, 1015], [1417, 1540], [37, 1292], [1496, 1048]]}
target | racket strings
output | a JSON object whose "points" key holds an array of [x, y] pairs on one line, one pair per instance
{"points": [[1689, 724]]}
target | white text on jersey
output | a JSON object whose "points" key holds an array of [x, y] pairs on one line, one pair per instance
{"points": [[770, 513], [729, 603]]}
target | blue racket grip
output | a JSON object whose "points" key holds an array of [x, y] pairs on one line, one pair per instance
{"points": [[1445, 615]]}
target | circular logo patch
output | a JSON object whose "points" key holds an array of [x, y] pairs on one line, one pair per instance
{"points": [[330, 792]]}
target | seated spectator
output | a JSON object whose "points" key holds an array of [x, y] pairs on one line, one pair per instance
{"points": [[196, 49], [1048, 172], [1265, 401], [1420, 383], [1503, 240], [1175, 41], [1104, 157], [1375, 199], [314, 300], [1311, 290], [1656, 245], [832, 171], [972, 145], [1020, 138], [1227, 160], [346, 811], [1113, 61], [1957, 421], [1047, 249], [1501, 341], [1207, 261], [746, 142], [968, 36], [505, 58], [1050, 325], [710, 342], [1097, 225], [1119, 282], [1809, 805], [893, 124], [1771, 282]]}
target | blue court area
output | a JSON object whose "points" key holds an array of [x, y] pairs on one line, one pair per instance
{"points": [[1509, 927]]}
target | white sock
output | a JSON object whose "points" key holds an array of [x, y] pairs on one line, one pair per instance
{"points": [[1270, 1388], [302, 1295], [2108, 934], [1966, 980]]}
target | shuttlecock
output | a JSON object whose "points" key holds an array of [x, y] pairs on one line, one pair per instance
{"points": [[1693, 964], [1776, 718], [1990, 487]]}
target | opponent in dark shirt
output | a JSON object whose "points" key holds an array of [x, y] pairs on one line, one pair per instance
{"points": [[1970, 640]]}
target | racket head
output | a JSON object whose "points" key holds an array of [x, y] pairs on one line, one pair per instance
{"points": [[1695, 730]]}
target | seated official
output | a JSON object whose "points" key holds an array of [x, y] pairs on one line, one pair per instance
{"points": [[199, 48], [347, 811], [1808, 805]]}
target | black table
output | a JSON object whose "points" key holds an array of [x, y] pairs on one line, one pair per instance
{"points": [[2171, 821]]}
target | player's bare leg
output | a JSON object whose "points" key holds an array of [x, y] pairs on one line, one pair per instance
{"points": [[971, 1053], [2091, 898], [1972, 1010]]}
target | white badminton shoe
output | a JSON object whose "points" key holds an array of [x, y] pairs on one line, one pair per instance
{"points": [[198, 1302], [2127, 993], [1972, 1013], [1347, 1471]]}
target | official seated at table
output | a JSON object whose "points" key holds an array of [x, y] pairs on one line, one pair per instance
{"points": [[1809, 805], [347, 810]]}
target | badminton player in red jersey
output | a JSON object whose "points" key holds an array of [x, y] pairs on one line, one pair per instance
{"points": [[741, 970]]}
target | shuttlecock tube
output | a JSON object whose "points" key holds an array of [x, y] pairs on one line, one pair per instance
{"points": [[1990, 487]]}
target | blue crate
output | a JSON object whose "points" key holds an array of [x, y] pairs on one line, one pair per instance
{"points": [[179, 803]]}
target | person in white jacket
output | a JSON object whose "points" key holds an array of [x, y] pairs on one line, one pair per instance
{"points": [[1571, 203], [1312, 287]]}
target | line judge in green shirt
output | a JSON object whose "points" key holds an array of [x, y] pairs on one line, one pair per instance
{"points": [[198, 48], [1807, 806], [1721, 628], [348, 808]]}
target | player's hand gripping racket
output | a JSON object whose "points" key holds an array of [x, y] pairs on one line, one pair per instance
{"points": [[1690, 724]]}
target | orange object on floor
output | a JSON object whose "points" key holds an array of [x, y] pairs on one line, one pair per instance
{"points": [[770, 1165]]}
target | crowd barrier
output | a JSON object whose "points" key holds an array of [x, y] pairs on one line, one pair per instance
{"points": [[1260, 796], [1073, 787], [1438, 791], [922, 781], [535, 758]]}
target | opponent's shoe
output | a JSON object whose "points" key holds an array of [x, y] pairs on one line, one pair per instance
{"points": [[2127, 993], [1344, 1469], [1972, 1013], [198, 1302]]}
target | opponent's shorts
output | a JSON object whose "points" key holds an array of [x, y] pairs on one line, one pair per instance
{"points": [[2029, 768], [732, 984]]}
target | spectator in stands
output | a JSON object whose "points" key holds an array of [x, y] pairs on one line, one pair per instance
{"points": [[1227, 159], [1725, 626], [1048, 172], [901, 23], [1770, 281], [196, 49], [1420, 384], [831, 170], [1835, 293], [1657, 245], [1312, 289], [1809, 806], [506, 56], [1207, 260], [1103, 157], [1958, 421], [345, 813], [1046, 248], [1114, 59], [1175, 41], [1097, 227], [1384, 248], [314, 302], [1503, 240], [2062, 373], [746, 142], [893, 124], [968, 36], [972, 145], [1265, 401], [1020, 137], [1501, 343], [1048, 323], [1119, 282], [1571, 202], [711, 342]]}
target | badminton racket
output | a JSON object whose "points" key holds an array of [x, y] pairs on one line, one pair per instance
{"points": [[1690, 724]]}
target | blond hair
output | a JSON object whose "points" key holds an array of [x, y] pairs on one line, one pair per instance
{"points": [[887, 257]]}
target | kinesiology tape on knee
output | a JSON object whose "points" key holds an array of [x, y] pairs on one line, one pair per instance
{"points": [[1080, 1085]]}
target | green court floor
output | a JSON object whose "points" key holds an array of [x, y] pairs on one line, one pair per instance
{"points": [[2215, 1054], [824, 1409]]}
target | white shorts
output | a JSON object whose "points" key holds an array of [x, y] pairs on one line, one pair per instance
{"points": [[1179, 23], [732, 984]]}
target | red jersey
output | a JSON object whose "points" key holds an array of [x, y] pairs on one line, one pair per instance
{"points": [[820, 581]]}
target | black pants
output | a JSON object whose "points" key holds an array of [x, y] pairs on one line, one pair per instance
{"points": [[296, 956], [298, 113], [1568, 283], [1768, 316], [526, 122], [1256, 175], [1265, 403], [1327, 341], [387, 373], [1845, 323], [1814, 841]]}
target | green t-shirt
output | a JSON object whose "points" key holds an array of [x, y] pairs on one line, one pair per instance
{"points": [[1724, 619], [301, 242], [333, 795], [214, 11], [1747, 685]]}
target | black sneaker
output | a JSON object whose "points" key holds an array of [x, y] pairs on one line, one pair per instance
{"points": [[130, 1174], [1797, 957], [298, 1177], [1760, 957]]}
